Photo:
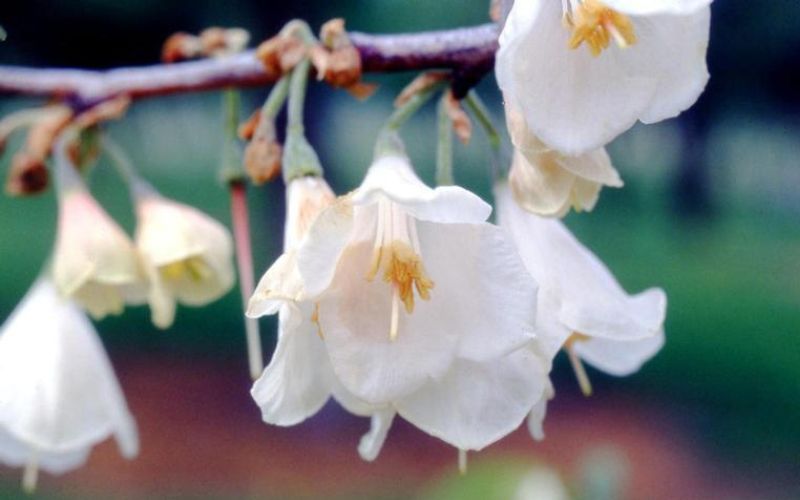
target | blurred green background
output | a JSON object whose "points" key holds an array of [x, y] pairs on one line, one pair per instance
{"points": [[709, 212]]}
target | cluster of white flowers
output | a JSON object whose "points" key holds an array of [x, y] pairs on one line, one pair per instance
{"points": [[400, 299], [396, 298], [58, 392]]}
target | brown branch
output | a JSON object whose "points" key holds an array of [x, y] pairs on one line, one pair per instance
{"points": [[469, 52]]}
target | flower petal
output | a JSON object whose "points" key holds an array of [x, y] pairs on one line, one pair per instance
{"points": [[591, 300], [619, 358], [296, 383], [475, 404], [572, 101], [482, 291], [355, 316], [678, 8], [280, 284], [394, 178], [371, 443], [542, 187], [318, 256], [679, 60], [539, 412], [593, 166], [58, 392]]}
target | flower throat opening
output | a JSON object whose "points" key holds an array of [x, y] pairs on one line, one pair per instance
{"points": [[193, 268], [396, 251], [595, 24]]}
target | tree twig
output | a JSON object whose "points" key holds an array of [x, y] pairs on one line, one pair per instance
{"points": [[469, 52]]}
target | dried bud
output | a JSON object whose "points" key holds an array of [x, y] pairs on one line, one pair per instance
{"points": [[179, 47], [280, 54], [461, 122], [362, 90], [496, 10], [333, 34], [419, 84], [217, 42], [28, 175], [262, 160], [248, 127]]}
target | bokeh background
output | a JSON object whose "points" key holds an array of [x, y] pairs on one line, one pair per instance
{"points": [[709, 212]]}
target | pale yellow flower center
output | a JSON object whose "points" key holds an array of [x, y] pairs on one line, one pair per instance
{"points": [[396, 252], [193, 268], [595, 24]]}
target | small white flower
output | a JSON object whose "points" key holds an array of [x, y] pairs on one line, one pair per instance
{"points": [[95, 262], [580, 302], [424, 307], [577, 99], [299, 379], [186, 253], [58, 392]]}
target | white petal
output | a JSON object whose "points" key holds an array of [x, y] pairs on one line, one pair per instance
{"points": [[94, 260], [350, 402], [160, 299], [371, 443], [306, 197], [593, 166], [58, 392], [16, 453], [296, 384], [281, 283], [355, 317], [678, 8], [481, 291], [619, 358], [168, 232], [539, 412], [318, 256], [572, 101], [475, 404], [394, 178], [592, 302], [674, 47], [543, 187]]}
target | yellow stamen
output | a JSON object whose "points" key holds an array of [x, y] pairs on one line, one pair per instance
{"points": [[595, 24], [193, 267], [577, 365]]}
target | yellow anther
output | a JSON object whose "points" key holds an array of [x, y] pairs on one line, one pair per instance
{"points": [[593, 23], [404, 270], [194, 267]]}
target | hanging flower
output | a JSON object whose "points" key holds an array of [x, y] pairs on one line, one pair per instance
{"points": [[95, 263], [58, 393], [580, 302], [298, 380], [186, 253], [423, 307], [547, 182], [585, 71]]}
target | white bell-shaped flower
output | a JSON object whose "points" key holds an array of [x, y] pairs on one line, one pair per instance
{"points": [[186, 253], [299, 379], [423, 307], [643, 60], [58, 392], [95, 262], [580, 302]]}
